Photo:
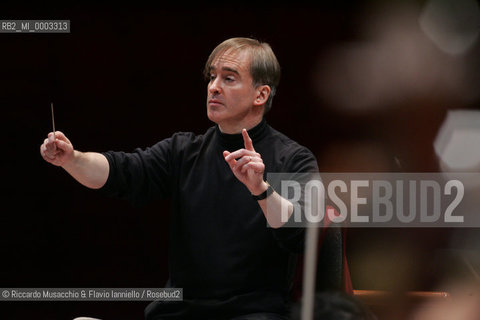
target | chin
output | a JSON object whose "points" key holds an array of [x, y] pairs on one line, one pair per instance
{"points": [[214, 116]]}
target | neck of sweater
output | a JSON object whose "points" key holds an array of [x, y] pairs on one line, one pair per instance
{"points": [[235, 141]]}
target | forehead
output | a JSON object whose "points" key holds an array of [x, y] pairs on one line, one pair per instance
{"points": [[236, 59]]}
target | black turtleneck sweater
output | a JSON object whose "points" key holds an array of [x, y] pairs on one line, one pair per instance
{"points": [[220, 250]]}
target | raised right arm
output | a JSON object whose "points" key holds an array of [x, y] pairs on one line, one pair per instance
{"points": [[89, 168]]}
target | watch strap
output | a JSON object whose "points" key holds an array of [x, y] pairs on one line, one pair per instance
{"points": [[264, 194]]}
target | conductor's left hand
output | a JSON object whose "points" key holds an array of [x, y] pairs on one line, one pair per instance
{"points": [[247, 165]]}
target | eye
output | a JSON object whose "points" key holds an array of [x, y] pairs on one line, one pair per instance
{"points": [[229, 79], [211, 77]]}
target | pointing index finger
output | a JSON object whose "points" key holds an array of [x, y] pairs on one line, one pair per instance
{"points": [[247, 140]]}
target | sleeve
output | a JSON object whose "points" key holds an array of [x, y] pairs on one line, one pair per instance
{"points": [[301, 167], [141, 175]]}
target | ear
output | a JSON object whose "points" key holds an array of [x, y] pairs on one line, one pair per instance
{"points": [[262, 94]]}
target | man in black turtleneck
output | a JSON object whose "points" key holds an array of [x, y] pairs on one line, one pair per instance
{"points": [[228, 262]]}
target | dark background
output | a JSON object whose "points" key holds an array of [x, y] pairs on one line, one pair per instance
{"points": [[128, 76]]}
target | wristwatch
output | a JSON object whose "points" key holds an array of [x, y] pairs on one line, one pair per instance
{"points": [[264, 194]]}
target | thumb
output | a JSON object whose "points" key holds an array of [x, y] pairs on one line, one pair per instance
{"points": [[59, 135], [230, 162]]}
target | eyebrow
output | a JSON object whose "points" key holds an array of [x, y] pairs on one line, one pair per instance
{"points": [[226, 69]]}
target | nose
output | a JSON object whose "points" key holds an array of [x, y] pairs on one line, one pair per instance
{"points": [[214, 86]]}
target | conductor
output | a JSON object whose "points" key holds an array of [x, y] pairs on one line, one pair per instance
{"points": [[232, 257]]}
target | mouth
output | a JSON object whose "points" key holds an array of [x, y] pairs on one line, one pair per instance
{"points": [[215, 102]]}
